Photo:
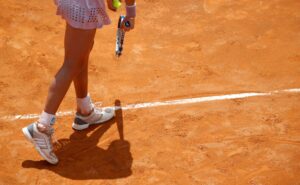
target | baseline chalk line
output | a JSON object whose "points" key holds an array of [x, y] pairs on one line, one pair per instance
{"points": [[163, 103]]}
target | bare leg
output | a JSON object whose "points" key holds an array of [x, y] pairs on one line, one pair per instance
{"points": [[78, 44], [81, 81]]}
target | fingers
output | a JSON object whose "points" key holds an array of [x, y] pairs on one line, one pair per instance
{"points": [[110, 5]]}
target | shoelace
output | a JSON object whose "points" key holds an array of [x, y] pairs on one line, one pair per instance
{"points": [[98, 110]]}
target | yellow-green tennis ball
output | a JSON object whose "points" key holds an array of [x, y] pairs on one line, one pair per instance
{"points": [[117, 4]]}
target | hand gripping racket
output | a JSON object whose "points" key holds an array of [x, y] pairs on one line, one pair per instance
{"points": [[120, 36]]}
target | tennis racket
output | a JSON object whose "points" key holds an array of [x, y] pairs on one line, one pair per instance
{"points": [[120, 36]]}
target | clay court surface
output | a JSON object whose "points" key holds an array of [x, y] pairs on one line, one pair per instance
{"points": [[180, 49]]}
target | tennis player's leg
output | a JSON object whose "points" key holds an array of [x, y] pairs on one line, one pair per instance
{"points": [[77, 46], [87, 113]]}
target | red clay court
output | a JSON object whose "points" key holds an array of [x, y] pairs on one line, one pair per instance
{"points": [[183, 55]]}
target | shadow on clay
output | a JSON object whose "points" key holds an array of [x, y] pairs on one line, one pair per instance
{"points": [[81, 158]]}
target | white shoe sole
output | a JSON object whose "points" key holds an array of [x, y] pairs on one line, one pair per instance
{"points": [[30, 139], [80, 127]]}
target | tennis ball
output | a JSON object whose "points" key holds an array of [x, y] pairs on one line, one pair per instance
{"points": [[117, 4]]}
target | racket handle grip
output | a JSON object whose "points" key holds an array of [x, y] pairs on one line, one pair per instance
{"points": [[127, 23]]}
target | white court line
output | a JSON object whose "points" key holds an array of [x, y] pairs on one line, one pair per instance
{"points": [[164, 103]]}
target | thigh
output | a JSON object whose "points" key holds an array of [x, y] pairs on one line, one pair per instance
{"points": [[78, 43]]}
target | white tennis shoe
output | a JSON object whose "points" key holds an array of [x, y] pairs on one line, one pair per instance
{"points": [[96, 117], [42, 141]]}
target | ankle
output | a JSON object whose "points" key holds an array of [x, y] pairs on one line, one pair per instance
{"points": [[84, 105], [47, 119], [43, 128], [85, 114]]}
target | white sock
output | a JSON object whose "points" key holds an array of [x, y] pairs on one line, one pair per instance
{"points": [[47, 119], [85, 104]]}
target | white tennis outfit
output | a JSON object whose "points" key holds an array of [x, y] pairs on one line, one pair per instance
{"points": [[83, 14]]}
